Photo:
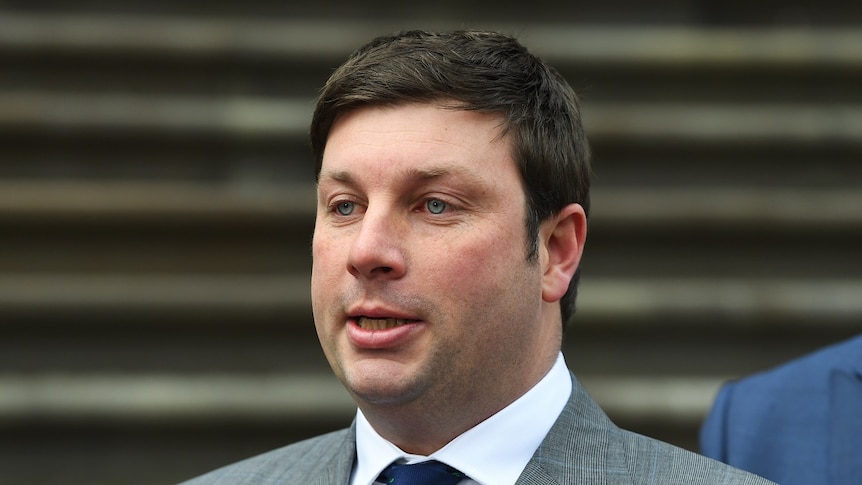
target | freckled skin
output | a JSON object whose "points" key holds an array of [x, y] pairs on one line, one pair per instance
{"points": [[487, 328]]}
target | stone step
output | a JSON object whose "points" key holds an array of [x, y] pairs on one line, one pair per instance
{"points": [[731, 12], [267, 118], [320, 39], [59, 199]]}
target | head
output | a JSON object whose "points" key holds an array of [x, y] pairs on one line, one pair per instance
{"points": [[450, 224], [486, 72]]}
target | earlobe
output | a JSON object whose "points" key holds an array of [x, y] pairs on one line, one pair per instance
{"points": [[562, 238]]}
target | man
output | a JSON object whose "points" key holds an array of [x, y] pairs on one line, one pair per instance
{"points": [[799, 423], [453, 186]]}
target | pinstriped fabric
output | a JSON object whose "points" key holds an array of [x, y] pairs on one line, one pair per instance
{"points": [[324, 460], [583, 448]]}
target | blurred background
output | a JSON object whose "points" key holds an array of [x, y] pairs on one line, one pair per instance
{"points": [[156, 209]]}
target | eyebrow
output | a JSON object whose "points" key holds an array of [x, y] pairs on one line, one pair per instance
{"points": [[432, 173], [411, 173], [338, 176]]}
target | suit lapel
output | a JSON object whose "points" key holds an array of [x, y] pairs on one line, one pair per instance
{"points": [[339, 467], [583, 447], [845, 439]]}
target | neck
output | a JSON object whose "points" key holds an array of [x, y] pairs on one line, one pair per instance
{"points": [[425, 425]]}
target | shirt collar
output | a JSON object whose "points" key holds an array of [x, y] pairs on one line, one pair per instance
{"points": [[487, 453]]}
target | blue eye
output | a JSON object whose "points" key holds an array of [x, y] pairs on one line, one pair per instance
{"points": [[345, 208], [435, 206]]}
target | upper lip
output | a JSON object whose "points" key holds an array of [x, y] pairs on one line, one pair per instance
{"points": [[378, 311]]}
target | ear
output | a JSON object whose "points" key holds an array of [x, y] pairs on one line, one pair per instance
{"points": [[561, 244]]}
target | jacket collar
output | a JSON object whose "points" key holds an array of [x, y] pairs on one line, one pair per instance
{"points": [[583, 447], [340, 466]]}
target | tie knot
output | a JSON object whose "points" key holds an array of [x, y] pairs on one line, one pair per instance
{"points": [[425, 473]]}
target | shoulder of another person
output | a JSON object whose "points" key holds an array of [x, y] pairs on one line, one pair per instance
{"points": [[806, 377], [290, 462]]}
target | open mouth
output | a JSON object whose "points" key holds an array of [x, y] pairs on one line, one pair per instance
{"points": [[367, 323]]}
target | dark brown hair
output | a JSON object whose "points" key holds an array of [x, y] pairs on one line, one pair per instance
{"points": [[480, 71]]}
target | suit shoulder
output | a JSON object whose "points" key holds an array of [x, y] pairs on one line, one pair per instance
{"points": [[288, 464], [809, 370], [654, 461]]}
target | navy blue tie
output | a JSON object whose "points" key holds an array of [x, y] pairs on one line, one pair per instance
{"points": [[425, 473]]}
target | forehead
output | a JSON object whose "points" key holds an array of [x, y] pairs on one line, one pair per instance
{"points": [[422, 138]]}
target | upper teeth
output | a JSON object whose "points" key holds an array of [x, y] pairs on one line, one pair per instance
{"points": [[380, 323]]}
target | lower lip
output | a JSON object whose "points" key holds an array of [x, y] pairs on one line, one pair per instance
{"points": [[381, 339]]}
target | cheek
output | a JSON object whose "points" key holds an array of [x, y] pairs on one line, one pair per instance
{"points": [[324, 248], [322, 274], [473, 272]]}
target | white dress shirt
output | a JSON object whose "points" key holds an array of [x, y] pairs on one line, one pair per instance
{"points": [[494, 452]]}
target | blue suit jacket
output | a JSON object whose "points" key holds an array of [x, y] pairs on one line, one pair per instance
{"points": [[797, 424]]}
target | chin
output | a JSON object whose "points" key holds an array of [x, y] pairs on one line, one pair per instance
{"points": [[381, 388]]}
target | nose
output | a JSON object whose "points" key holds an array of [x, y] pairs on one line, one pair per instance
{"points": [[377, 249]]}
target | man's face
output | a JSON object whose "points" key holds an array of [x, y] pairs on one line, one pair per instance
{"points": [[422, 293]]}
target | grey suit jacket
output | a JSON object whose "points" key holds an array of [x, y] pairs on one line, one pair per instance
{"points": [[583, 448]]}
